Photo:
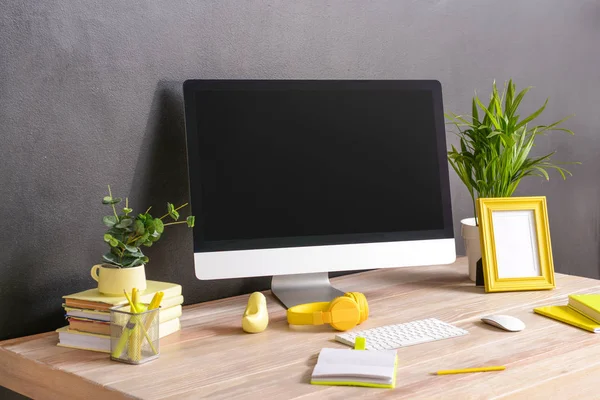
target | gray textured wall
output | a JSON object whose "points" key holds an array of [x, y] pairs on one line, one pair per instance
{"points": [[90, 94]]}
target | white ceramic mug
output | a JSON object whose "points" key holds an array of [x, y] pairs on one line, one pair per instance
{"points": [[113, 280], [470, 234]]}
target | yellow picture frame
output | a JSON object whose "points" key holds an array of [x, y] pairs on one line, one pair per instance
{"points": [[516, 250]]}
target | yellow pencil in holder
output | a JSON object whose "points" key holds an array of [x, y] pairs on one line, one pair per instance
{"points": [[154, 304], [133, 347], [135, 338], [134, 350], [134, 333]]}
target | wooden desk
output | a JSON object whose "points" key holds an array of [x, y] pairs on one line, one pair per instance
{"points": [[211, 357]]}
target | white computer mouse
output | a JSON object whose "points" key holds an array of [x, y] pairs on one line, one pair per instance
{"points": [[505, 322]]}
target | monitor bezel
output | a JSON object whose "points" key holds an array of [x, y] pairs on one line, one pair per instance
{"points": [[193, 86]]}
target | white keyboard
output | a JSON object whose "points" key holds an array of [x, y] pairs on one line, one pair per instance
{"points": [[401, 335]]}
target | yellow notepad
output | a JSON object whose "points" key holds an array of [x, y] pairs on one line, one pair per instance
{"points": [[569, 316], [587, 304], [344, 367]]}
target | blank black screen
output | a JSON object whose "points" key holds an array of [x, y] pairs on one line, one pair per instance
{"points": [[302, 164]]}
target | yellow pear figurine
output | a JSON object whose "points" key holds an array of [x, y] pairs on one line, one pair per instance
{"points": [[256, 316]]}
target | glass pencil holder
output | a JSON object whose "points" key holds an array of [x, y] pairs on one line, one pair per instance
{"points": [[134, 336]]}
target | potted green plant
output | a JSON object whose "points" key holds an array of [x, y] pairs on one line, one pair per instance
{"points": [[124, 263], [494, 153]]}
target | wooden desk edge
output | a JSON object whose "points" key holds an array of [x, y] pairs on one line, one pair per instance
{"points": [[37, 380]]}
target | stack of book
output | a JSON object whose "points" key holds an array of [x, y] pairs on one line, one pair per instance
{"points": [[583, 311], [88, 313]]}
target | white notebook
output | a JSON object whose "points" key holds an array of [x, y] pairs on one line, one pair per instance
{"points": [[371, 368]]}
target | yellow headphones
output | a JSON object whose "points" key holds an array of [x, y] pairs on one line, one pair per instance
{"points": [[343, 313]]}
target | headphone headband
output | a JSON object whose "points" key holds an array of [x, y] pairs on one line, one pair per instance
{"points": [[342, 313], [304, 314]]}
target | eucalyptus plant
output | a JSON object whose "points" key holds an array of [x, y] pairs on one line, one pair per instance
{"points": [[127, 233], [494, 154]]}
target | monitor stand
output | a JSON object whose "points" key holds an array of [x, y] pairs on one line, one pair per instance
{"points": [[292, 290]]}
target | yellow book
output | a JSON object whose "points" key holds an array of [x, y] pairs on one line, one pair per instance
{"points": [[569, 316], [94, 300], [344, 367], [164, 314], [166, 303], [587, 304], [89, 326]]}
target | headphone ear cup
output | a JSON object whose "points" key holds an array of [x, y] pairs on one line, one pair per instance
{"points": [[344, 312], [363, 305]]}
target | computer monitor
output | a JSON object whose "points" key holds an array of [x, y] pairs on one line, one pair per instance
{"points": [[298, 178]]}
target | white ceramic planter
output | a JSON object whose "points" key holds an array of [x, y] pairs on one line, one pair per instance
{"points": [[470, 234]]}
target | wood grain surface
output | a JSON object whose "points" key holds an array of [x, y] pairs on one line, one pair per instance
{"points": [[213, 358]]}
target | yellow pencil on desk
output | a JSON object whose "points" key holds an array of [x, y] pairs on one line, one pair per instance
{"points": [[468, 370]]}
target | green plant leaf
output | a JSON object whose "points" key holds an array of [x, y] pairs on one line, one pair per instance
{"points": [[497, 101], [170, 208], [107, 237], [542, 171], [136, 254], [138, 227], [124, 223], [532, 116], [475, 113], [174, 215], [554, 126], [159, 225], [111, 259], [155, 236], [191, 220], [136, 263], [494, 133], [510, 93], [130, 262], [127, 210], [109, 220], [517, 101], [111, 200], [142, 239], [488, 113], [116, 233], [130, 248], [150, 226], [113, 242]]}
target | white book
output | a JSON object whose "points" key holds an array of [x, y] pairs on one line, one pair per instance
{"points": [[372, 368], [95, 342]]}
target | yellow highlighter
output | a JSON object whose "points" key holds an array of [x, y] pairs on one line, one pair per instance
{"points": [[134, 350], [154, 304], [134, 324], [128, 329], [468, 370]]}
